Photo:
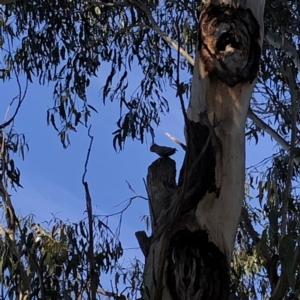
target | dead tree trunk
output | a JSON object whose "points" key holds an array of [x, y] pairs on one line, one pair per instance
{"points": [[194, 221]]}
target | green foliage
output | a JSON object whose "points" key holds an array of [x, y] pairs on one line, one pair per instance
{"points": [[11, 143], [69, 42], [264, 252], [55, 261], [273, 236]]}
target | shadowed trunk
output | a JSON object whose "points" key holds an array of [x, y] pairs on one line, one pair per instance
{"points": [[194, 221]]}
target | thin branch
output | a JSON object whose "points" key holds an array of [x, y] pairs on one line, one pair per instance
{"points": [[87, 156], [163, 35], [20, 98], [136, 194], [9, 209], [93, 286], [265, 127], [124, 208]]}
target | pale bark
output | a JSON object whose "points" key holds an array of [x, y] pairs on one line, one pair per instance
{"points": [[194, 222], [226, 106]]}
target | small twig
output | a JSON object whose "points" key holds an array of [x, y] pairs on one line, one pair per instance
{"points": [[137, 194], [122, 202], [88, 155], [123, 209], [129, 201]]}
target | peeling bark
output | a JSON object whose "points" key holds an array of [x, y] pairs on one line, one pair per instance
{"points": [[194, 222]]}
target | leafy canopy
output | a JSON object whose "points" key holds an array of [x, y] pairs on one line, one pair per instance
{"points": [[69, 42]]}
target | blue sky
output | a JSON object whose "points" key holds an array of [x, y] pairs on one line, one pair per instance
{"points": [[51, 175]]}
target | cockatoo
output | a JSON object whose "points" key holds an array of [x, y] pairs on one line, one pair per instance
{"points": [[162, 151]]}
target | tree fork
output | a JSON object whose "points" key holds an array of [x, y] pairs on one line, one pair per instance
{"points": [[189, 256]]}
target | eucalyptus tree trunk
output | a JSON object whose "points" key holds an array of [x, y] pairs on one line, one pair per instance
{"points": [[194, 221]]}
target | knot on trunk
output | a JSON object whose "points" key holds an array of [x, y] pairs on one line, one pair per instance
{"points": [[229, 43]]}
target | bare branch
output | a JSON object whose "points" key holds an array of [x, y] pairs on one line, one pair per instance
{"points": [[89, 209], [264, 126], [20, 98], [136, 194]]}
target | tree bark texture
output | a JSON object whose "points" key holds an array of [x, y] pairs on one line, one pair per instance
{"points": [[194, 221]]}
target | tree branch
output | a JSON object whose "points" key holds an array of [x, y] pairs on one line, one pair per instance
{"points": [[20, 97], [93, 285], [283, 283], [162, 34], [155, 26], [264, 126], [276, 40]]}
